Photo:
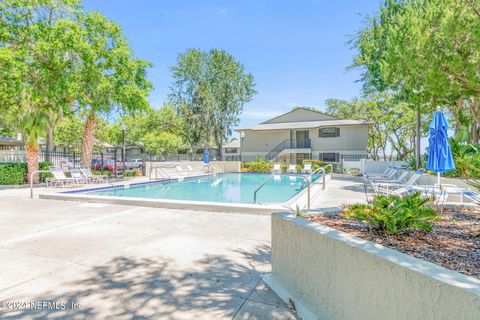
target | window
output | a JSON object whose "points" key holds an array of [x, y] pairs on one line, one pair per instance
{"points": [[231, 150], [329, 157], [329, 132]]}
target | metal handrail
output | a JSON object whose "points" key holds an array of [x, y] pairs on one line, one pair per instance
{"points": [[307, 180], [31, 180], [164, 173], [323, 169], [260, 187], [288, 144]]}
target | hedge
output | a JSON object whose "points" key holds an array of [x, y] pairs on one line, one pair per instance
{"points": [[16, 173], [13, 173], [257, 166], [317, 164]]}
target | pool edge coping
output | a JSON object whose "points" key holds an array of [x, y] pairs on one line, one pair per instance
{"points": [[168, 204], [83, 196]]}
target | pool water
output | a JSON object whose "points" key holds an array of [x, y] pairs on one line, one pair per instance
{"points": [[228, 187]]}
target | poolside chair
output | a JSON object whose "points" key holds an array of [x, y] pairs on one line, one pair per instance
{"points": [[388, 174], [446, 190], [389, 187], [277, 168], [307, 167], [92, 178], [78, 176], [180, 170], [190, 170], [59, 178], [292, 168], [394, 179]]}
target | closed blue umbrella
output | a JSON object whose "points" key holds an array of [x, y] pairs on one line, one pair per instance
{"points": [[206, 156], [440, 157]]}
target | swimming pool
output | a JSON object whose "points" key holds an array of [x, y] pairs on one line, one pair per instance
{"points": [[227, 187]]}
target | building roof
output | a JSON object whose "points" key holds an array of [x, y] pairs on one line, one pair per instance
{"points": [[11, 141], [235, 143], [303, 118], [301, 114], [304, 125]]}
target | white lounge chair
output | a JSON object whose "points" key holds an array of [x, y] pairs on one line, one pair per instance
{"points": [[78, 176], [388, 174], [192, 171], [277, 168], [390, 187], [59, 178], [442, 193], [93, 178], [292, 168], [394, 179], [307, 167], [180, 170]]}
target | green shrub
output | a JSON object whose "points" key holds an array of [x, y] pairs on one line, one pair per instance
{"points": [[105, 172], [466, 166], [129, 173], [317, 164], [13, 173], [393, 214], [44, 166], [354, 171], [257, 166]]}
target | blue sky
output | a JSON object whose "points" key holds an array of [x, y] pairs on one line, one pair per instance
{"points": [[296, 50]]}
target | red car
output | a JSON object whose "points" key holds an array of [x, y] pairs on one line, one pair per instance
{"points": [[107, 165]]}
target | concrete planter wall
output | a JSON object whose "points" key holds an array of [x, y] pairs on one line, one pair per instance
{"points": [[332, 275]]}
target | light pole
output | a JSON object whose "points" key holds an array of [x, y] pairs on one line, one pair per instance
{"points": [[123, 127]]}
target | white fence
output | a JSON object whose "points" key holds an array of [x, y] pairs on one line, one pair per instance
{"points": [[12, 156], [373, 166]]}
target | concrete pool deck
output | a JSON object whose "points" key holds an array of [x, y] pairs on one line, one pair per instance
{"points": [[124, 262]]}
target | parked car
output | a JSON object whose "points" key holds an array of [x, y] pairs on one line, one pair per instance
{"points": [[134, 164], [108, 164]]}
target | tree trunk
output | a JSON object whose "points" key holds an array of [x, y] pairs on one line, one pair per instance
{"points": [[31, 151], [219, 147], [418, 137], [474, 135], [87, 142], [49, 142]]}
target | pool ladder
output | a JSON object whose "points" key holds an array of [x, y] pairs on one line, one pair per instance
{"points": [[307, 179]]}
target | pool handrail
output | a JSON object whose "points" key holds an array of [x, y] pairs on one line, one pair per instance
{"points": [[31, 179], [260, 187], [323, 169], [164, 174], [307, 180]]}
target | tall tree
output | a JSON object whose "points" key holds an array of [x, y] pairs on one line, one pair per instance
{"points": [[393, 130], [36, 71], [192, 98], [424, 51], [111, 78], [209, 91], [231, 87]]}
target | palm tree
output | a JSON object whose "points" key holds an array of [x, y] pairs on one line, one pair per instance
{"points": [[30, 122]]}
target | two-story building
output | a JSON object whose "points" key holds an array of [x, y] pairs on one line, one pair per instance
{"points": [[305, 134]]}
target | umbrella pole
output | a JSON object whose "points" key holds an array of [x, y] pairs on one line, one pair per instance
{"points": [[438, 180]]}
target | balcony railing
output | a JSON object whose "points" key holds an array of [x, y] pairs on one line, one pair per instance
{"points": [[288, 144], [298, 144]]}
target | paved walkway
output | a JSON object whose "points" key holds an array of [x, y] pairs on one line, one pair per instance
{"points": [[341, 189], [94, 261]]}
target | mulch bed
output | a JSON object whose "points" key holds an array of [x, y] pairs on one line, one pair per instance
{"points": [[453, 244]]}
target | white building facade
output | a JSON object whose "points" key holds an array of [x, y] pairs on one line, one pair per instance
{"points": [[305, 134]]}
